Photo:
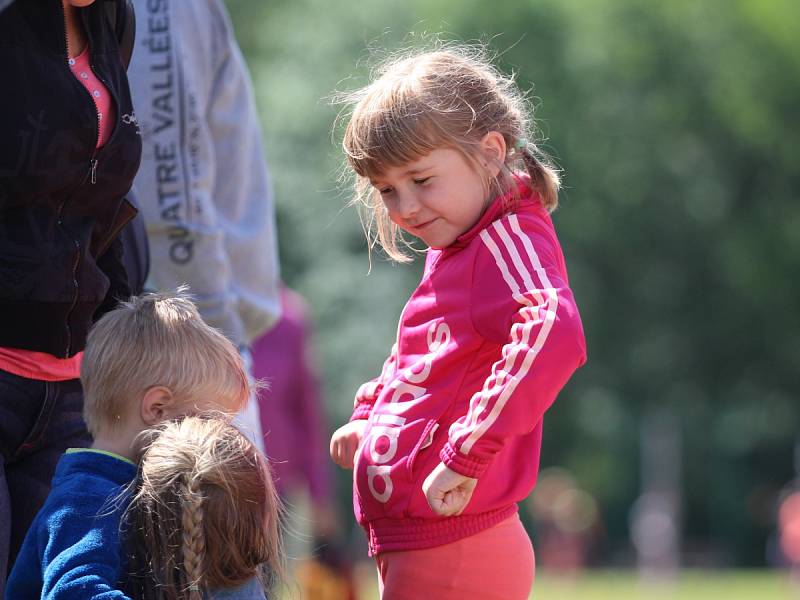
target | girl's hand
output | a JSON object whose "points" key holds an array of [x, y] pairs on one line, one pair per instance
{"points": [[448, 492], [344, 442]]}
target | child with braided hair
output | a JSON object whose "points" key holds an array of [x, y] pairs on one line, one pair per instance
{"points": [[203, 521]]}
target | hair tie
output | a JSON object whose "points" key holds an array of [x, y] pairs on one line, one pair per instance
{"points": [[194, 588], [521, 143]]}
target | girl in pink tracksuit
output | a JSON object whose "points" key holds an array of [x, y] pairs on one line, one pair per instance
{"points": [[446, 441]]}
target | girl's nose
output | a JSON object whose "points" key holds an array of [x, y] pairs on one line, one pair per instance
{"points": [[407, 206]]}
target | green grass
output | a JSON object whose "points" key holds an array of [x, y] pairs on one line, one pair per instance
{"points": [[625, 585], [690, 585]]}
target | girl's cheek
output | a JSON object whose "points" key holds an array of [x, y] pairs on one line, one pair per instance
{"points": [[391, 210]]}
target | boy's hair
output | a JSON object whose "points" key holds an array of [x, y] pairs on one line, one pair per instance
{"points": [[450, 97], [156, 340], [204, 512]]}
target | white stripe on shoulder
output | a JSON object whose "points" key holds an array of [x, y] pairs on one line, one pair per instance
{"points": [[513, 251], [501, 264], [526, 242]]}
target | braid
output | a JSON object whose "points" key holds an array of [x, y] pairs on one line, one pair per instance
{"points": [[194, 542]]}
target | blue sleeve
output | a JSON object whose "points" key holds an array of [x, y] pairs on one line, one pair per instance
{"points": [[25, 579], [82, 558]]}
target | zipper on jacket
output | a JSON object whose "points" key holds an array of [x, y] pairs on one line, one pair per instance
{"points": [[114, 103], [75, 262], [93, 158], [92, 176], [116, 124], [75, 297], [92, 173]]}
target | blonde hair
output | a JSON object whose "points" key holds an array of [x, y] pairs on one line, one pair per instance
{"points": [[446, 98], [204, 512], [157, 340]]}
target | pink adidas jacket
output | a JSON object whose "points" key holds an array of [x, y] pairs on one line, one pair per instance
{"points": [[484, 345]]}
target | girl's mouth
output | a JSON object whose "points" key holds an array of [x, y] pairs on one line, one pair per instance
{"points": [[424, 225]]}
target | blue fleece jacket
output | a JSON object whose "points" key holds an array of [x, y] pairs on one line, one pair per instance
{"points": [[72, 549]]}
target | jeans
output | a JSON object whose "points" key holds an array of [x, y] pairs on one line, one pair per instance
{"points": [[39, 420]]}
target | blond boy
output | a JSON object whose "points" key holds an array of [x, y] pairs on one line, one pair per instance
{"points": [[150, 360]]}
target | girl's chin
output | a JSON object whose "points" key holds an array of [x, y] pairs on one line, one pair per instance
{"points": [[436, 243]]}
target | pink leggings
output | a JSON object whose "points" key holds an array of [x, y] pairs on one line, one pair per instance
{"points": [[495, 564]]}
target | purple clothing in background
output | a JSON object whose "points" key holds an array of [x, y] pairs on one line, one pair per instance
{"points": [[292, 411]]}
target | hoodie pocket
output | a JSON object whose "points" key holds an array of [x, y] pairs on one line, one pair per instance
{"points": [[425, 441], [385, 464], [103, 235]]}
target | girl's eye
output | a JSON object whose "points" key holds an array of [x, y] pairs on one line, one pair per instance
{"points": [[422, 180], [385, 191]]}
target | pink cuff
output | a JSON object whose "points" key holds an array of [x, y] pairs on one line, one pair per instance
{"points": [[469, 466], [361, 412]]}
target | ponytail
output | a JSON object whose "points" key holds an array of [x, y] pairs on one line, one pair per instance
{"points": [[544, 176]]}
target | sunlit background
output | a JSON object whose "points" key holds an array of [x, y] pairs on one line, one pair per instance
{"points": [[670, 458]]}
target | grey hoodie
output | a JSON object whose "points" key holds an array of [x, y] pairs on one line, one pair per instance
{"points": [[203, 185]]}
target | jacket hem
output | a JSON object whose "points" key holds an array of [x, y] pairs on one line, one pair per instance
{"points": [[42, 326], [392, 535]]}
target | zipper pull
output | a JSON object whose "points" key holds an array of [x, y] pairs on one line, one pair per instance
{"points": [[93, 172]]}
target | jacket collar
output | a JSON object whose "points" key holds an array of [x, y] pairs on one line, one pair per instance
{"points": [[511, 201]]}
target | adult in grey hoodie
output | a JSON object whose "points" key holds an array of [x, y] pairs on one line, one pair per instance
{"points": [[203, 185]]}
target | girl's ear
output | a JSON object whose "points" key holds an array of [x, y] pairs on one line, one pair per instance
{"points": [[493, 148], [156, 404]]}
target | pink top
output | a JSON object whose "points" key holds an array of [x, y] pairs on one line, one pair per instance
{"points": [[40, 365], [484, 345], [82, 70]]}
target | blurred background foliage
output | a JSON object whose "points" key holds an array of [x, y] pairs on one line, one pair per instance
{"points": [[676, 125]]}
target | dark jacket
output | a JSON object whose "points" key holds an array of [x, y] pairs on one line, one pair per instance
{"points": [[62, 202]]}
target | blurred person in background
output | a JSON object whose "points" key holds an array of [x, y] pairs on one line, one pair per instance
{"points": [[567, 522], [204, 187], [783, 546], [789, 531], [295, 431], [70, 150]]}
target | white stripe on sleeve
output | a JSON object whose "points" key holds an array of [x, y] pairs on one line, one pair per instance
{"points": [[508, 373]]}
